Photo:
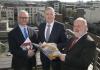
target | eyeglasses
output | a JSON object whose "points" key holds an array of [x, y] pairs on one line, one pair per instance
{"points": [[24, 17]]}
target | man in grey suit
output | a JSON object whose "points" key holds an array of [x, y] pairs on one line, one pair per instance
{"points": [[23, 53]]}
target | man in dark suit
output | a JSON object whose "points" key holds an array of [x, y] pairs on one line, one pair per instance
{"points": [[23, 53], [51, 32], [80, 50]]}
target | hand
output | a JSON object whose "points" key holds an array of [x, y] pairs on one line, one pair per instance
{"points": [[51, 57], [31, 52], [62, 57], [26, 46]]}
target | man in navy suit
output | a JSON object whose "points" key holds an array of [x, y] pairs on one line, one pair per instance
{"points": [[80, 50], [51, 31], [23, 55]]}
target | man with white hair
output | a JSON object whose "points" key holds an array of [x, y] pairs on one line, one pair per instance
{"points": [[80, 50], [23, 54]]}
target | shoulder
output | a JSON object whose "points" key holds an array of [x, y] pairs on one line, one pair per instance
{"points": [[42, 24], [90, 40], [13, 31], [59, 24], [30, 28]]}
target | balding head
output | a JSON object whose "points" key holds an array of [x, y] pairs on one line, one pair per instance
{"points": [[80, 26], [83, 21]]}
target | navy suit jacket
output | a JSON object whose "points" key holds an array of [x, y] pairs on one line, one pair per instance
{"points": [[15, 39], [80, 55], [57, 36]]}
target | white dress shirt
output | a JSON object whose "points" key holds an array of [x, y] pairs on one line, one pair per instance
{"points": [[22, 29], [51, 26]]}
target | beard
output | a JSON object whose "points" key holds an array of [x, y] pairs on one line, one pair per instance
{"points": [[79, 34]]}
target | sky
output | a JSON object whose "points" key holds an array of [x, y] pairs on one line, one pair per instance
{"points": [[67, 0]]}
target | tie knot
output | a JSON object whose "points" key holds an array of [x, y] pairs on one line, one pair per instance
{"points": [[24, 28], [49, 25]]}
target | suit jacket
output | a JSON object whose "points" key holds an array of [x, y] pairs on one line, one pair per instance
{"points": [[15, 39], [57, 35], [80, 55]]}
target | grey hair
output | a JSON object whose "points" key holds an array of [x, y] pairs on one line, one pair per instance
{"points": [[23, 11], [50, 8], [84, 22], [82, 19]]}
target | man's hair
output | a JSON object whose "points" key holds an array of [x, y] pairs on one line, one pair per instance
{"points": [[82, 19], [23, 11], [84, 22], [50, 8]]}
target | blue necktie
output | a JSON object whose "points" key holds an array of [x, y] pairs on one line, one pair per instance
{"points": [[25, 33]]}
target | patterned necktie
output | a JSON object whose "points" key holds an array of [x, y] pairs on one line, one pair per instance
{"points": [[25, 33], [73, 41], [48, 32]]}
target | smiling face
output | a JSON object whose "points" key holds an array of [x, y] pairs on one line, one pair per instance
{"points": [[23, 18], [49, 15], [80, 27]]}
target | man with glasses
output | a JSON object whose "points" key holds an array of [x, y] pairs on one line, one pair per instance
{"points": [[23, 53]]}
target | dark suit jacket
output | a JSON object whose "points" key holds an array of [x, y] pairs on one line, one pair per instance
{"points": [[80, 55], [57, 35], [15, 39]]}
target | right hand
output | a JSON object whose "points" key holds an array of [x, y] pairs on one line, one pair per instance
{"points": [[62, 57], [31, 52]]}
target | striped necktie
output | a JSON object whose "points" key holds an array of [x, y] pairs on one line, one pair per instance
{"points": [[47, 33]]}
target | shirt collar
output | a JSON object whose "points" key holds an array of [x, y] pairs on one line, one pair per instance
{"points": [[82, 35], [51, 24], [22, 26]]}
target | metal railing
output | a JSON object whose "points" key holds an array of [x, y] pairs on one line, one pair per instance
{"points": [[96, 64]]}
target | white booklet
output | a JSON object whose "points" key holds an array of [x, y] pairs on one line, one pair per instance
{"points": [[49, 49], [27, 44]]}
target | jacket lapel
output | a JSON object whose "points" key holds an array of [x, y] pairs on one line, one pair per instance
{"points": [[43, 32], [53, 32], [29, 32], [79, 42], [20, 36]]}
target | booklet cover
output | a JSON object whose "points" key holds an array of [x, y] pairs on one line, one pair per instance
{"points": [[27, 44], [49, 49]]}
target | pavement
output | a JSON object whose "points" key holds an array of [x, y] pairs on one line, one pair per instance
{"points": [[6, 58], [5, 61]]}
